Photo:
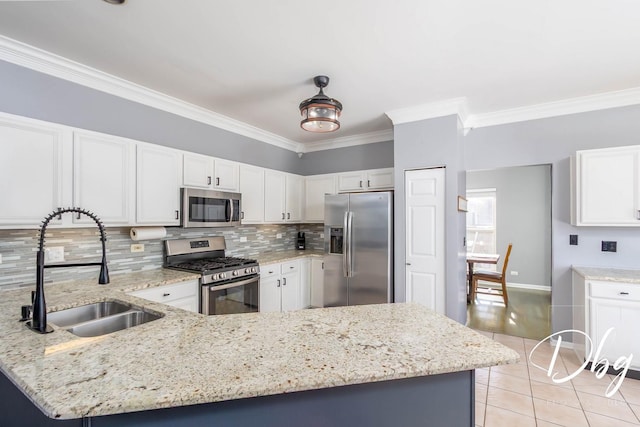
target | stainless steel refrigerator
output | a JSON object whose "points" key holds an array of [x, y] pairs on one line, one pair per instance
{"points": [[358, 246]]}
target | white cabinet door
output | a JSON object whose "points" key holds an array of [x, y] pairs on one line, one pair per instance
{"points": [[33, 171], [103, 174], [351, 181], [183, 295], [197, 171], [226, 175], [274, 196], [622, 316], [291, 291], [252, 190], [317, 282], [607, 187], [315, 189], [379, 179], [305, 283], [294, 197], [158, 185], [270, 293]]}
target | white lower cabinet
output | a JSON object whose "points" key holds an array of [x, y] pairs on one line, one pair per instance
{"points": [[280, 287], [183, 295], [607, 313]]}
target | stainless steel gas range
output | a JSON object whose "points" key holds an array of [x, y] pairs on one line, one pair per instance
{"points": [[228, 285]]}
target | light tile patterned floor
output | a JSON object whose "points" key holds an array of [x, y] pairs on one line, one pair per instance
{"points": [[523, 395]]}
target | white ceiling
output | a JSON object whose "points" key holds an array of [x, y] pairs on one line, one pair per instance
{"points": [[254, 60]]}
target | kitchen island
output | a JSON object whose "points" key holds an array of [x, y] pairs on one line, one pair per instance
{"points": [[332, 366]]}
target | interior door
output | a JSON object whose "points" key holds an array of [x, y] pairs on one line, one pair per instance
{"points": [[424, 252]]}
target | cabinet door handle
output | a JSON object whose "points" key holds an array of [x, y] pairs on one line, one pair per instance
{"points": [[282, 215], [59, 215], [368, 183], [624, 293], [208, 180], [638, 215], [323, 265], [78, 215], [284, 281], [177, 214], [288, 215], [278, 283], [360, 184], [271, 272], [292, 267], [241, 215], [407, 263], [166, 294], [217, 181]]}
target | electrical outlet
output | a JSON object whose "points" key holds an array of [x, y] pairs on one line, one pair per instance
{"points": [[279, 236], [573, 239], [243, 239], [514, 273], [137, 247], [322, 235], [609, 246], [54, 254]]}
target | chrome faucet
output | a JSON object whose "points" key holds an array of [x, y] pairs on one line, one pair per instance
{"points": [[38, 322]]}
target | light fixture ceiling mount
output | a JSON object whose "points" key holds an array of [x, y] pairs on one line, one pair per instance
{"points": [[320, 113]]}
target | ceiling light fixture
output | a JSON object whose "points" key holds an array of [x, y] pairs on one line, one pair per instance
{"points": [[115, 1], [320, 113]]}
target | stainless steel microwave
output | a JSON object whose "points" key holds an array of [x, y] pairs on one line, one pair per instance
{"points": [[209, 208]]}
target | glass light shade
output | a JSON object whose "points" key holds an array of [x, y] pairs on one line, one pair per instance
{"points": [[319, 117]]}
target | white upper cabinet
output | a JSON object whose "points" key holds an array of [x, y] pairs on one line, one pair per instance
{"points": [[227, 175], [158, 173], [197, 171], [294, 197], [367, 180], [315, 189], [606, 187], [252, 190], [284, 198], [103, 177], [274, 196], [35, 171]]}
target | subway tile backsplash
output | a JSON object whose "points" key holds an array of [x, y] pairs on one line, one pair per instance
{"points": [[18, 248]]}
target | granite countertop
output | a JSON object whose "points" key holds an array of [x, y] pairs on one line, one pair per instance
{"points": [[187, 358], [608, 274], [282, 256]]}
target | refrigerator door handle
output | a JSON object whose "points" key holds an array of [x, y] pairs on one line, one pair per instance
{"points": [[345, 268], [349, 244]]}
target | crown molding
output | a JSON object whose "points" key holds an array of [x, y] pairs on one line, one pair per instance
{"points": [[430, 111], [348, 141], [582, 104], [40, 60]]}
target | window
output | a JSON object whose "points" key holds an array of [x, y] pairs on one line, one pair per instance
{"points": [[481, 223]]}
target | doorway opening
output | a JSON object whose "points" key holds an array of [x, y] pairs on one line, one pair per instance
{"points": [[512, 206]]}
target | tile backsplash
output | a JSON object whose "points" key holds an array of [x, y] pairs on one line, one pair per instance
{"points": [[18, 248]]}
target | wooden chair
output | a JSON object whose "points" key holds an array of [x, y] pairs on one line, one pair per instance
{"points": [[493, 276]]}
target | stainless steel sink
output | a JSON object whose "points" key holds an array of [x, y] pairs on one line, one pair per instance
{"points": [[116, 322], [100, 318], [72, 316]]}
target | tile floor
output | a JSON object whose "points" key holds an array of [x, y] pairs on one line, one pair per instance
{"points": [[522, 395]]}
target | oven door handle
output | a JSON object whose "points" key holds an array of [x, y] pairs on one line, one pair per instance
{"points": [[233, 285]]}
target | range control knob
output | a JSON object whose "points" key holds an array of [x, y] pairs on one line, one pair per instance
{"points": [[222, 275], [247, 270], [253, 269], [235, 273]]}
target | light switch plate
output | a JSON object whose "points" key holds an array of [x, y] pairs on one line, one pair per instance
{"points": [[243, 239], [279, 236]]}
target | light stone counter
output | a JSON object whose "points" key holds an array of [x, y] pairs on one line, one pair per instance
{"points": [[266, 258], [187, 358], [608, 274]]}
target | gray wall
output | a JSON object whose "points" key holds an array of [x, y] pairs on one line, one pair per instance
{"points": [[553, 141], [424, 144], [523, 218], [369, 156], [33, 94]]}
